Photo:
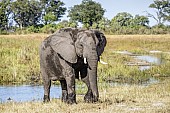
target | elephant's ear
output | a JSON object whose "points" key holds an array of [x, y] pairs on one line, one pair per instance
{"points": [[102, 42], [62, 43]]}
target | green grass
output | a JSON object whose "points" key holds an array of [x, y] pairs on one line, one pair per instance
{"points": [[20, 58], [137, 44]]}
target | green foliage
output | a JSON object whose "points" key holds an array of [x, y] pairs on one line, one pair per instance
{"points": [[36, 16], [88, 12], [127, 20], [52, 10], [3, 32], [140, 21], [33, 29], [50, 18], [66, 23], [163, 11], [26, 12], [49, 28], [31, 12], [125, 23], [103, 24], [4, 13], [122, 19]]}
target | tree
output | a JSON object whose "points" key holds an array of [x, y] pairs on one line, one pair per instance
{"points": [[162, 8], [35, 12], [103, 24], [66, 23], [88, 12], [122, 19], [52, 10], [26, 12], [140, 20], [4, 14], [167, 11]]}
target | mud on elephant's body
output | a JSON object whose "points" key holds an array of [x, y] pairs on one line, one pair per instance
{"points": [[66, 54]]}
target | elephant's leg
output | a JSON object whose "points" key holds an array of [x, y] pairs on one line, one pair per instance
{"points": [[47, 85], [88, 95], [64, 90], [69, 75], [85, 78], [70, 79]]}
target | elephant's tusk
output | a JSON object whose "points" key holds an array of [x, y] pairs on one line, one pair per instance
{"points": [[102, 62], [85, 60]]}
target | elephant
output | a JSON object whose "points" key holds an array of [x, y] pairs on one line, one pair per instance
{"points": [[69, 54]]}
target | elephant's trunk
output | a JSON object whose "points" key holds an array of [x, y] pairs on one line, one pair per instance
{"points": [[92, 72]]}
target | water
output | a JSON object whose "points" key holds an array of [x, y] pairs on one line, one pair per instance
{"points": [[149, 59], [25, 93]]}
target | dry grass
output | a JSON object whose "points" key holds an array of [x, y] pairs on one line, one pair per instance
{"points": [[118, 99], [139, 43], [27, 36]]}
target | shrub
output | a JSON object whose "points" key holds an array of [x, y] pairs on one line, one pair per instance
{"points": [[49, 28], [32, 29]]}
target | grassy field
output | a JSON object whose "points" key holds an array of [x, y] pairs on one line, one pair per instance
{"points": [[20, 64], [20, 56]]}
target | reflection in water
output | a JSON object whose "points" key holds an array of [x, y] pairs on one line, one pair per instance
{"points": [[26, 93]]}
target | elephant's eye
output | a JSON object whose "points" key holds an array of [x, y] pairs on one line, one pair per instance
{"points": [[81, 45]]}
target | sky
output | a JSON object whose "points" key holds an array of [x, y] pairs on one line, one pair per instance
{"points": [[113, 7]]}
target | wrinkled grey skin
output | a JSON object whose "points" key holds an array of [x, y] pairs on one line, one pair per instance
{"points": [[62, 58]]}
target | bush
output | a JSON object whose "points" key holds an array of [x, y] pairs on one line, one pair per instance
{"points": [[3, 32], [32, 29], [49, 28]]}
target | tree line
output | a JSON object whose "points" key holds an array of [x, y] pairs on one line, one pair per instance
{"points": [[35, 16]]}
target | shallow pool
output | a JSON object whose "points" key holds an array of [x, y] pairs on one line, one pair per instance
{"points": [[25, 93], [148, 58]]}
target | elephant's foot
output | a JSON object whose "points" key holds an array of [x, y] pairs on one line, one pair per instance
{"points": [[94, 99], [46, 98], [64, 96], [90, 98], [71, 98]]}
